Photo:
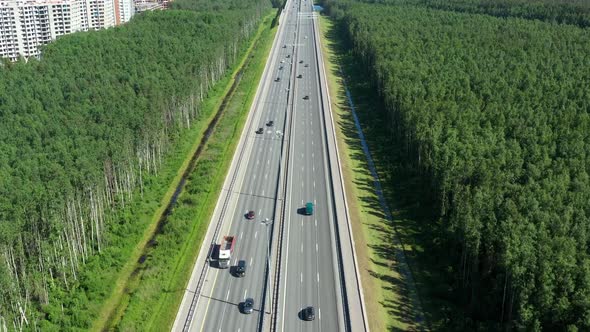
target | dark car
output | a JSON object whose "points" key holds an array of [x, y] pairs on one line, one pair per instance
{"points": [[285, 46], [306, 65], [248, 306], [300, 61], [299, 76], [278, 79], [288, 56], [260, 131], [241, 268], [308, 313], [250, 214], [306, 97], [270, 123]]}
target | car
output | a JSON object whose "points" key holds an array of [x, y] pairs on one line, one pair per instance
{"points": [[285, 46], [300, 61], [241, 268], [308, 313], [288, 56], [309, 208], [248, 306], [299, 76], [305, 37], [306, 65], [306, 97], [250, 214], [278, 79], [282, 61], [260, 131], [270, 123], [281, 67]]}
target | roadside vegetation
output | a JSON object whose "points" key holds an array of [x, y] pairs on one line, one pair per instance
{"points": [[92, 136], [478, 126]]}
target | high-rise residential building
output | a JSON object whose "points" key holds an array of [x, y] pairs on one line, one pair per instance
{"points": [[101, 14], [124, 10], [8, 33], [24, 26], [27, 24]]}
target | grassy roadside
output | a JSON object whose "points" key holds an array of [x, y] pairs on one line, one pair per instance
{"points": [[153, 303], [391, 304]]}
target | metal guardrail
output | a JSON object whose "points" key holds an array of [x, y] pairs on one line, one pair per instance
{"points": [[287, 148]]}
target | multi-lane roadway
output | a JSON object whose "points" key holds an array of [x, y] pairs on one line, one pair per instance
{"points": [[274, 173]]}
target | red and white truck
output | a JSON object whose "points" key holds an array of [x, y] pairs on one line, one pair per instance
{"points": [[225, 250]]}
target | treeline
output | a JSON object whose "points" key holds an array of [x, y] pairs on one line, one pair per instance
{"points": [[494, 114], [84, 127], [209, 5], [575, 12]]}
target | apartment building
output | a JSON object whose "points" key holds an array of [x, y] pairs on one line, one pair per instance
{"points": [[9, 47], [27, 24], [101, 14], [124, 10]]}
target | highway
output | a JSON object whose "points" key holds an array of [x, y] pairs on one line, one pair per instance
{"points": [[274, 173]]}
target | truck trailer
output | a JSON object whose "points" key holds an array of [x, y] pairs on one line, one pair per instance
{"points": [[225, 250]]}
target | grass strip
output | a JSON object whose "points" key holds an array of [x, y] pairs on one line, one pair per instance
{"points": [[152, 304], [389, 299]]}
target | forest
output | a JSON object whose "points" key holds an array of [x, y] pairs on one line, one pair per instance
{"points": [[492, 110], [575, 12], [83, 130]]}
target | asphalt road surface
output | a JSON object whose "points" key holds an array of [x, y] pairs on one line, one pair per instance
{"points": [[309, 275]]}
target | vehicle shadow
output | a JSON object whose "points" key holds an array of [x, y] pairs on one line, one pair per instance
{"points": [[301, 211]]}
